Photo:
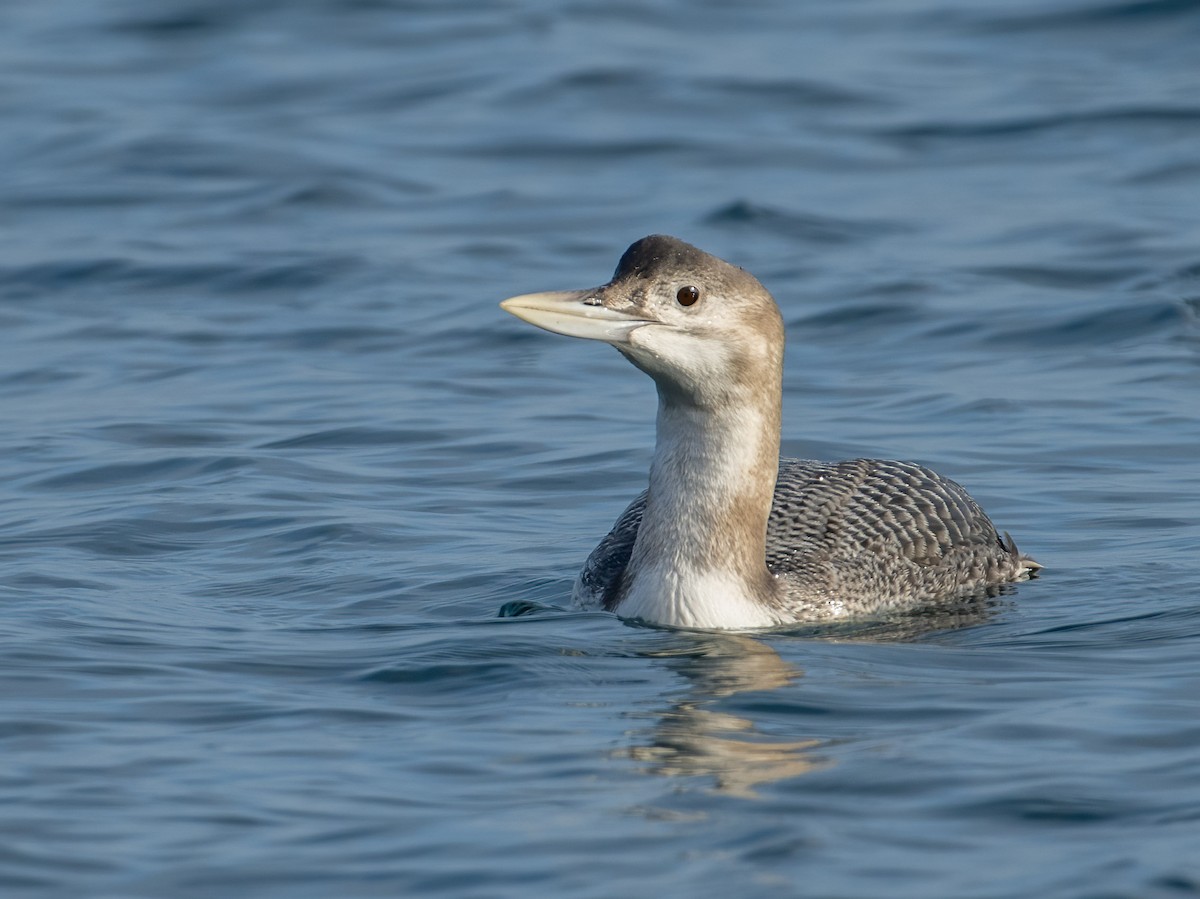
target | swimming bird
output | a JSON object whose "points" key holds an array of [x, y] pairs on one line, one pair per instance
{"points": [[728, 535]]}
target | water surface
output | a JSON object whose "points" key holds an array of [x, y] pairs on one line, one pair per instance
{"points": [[273, 462]]}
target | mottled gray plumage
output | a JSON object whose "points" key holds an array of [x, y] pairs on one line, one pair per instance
{"points": [[726, 535], [855, 537]]}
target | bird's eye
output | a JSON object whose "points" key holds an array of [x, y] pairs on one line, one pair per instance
{"points": [[688, 296]]}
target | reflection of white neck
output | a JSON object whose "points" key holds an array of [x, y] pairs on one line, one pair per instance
{"points": [[700, 555]]}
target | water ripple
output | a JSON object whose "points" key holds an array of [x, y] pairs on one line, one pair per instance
{"points": [[291, 510]]}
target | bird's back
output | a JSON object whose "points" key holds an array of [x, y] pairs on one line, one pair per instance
{"points": [[851, 538]]}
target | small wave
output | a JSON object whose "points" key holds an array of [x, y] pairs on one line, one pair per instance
{"points": [[1077, 277], [261, 275], [808, 227], [791, 91], [1018, 126], [1117, 15], [336, 438], [1099, 327], [108, 476], [860, 315]]}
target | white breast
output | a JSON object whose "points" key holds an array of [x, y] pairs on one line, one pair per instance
{"points": [[679, 597]]}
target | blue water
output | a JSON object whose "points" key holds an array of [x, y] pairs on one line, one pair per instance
{"points": [[273, 464]]}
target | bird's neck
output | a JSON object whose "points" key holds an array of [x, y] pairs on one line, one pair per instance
{"points": [[700, 555]]}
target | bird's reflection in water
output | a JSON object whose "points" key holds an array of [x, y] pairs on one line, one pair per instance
{"points": [[692, 739]]}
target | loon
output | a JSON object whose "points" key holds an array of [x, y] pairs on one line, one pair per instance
{"points": [[728, 535]]}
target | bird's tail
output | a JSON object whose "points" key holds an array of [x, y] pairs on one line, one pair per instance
{"points": [[1026, 567]]}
